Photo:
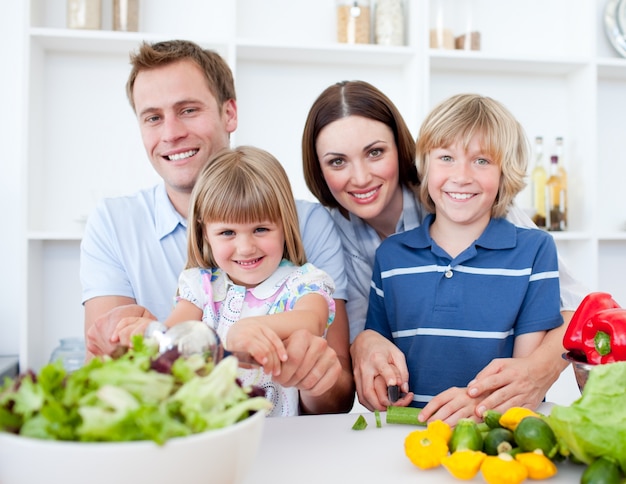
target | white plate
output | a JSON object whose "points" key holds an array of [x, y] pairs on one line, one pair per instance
{"points": [[615, 24]]}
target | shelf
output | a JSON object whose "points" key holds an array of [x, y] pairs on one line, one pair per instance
{"points": [[103, 41], [478, 61], [55, 236], [359, 54], [612, 68], [571, 235]]}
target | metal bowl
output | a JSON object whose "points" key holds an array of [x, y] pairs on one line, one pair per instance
{"points": [[581, 369]]}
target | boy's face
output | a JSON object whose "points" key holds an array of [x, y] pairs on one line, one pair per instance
{"points": [[463, 183], [181, 124]]}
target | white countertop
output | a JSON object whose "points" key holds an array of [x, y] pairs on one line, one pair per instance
{"points": [[324, 448]]}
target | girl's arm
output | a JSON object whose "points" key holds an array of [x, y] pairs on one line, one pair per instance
{"points": [[310, 312], [263, 336], [183, 311]]}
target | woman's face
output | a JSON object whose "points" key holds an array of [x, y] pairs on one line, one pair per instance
{"points": [[359, 161]]}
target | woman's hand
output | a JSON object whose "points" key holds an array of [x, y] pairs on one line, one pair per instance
{"points": [[377, 364]]}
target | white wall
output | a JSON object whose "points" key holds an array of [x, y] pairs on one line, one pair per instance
{"points": [[12, 37]]}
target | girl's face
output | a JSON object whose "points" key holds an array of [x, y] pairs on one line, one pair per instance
{"points": [[463, 184], [359, 161], [249, 253]]}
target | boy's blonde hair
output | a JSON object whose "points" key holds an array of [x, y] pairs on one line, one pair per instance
{"points": [[458, 119], [242, 185]]}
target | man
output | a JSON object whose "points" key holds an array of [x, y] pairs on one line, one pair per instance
{"points": [[134, 247]]}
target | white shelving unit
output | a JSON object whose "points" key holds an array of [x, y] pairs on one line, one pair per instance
{"points": [[549, 62]]}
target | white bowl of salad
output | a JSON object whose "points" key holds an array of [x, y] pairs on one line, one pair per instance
{"points": [[136, 418]]}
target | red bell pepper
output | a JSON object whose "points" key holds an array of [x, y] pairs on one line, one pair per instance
{"points": [[590, 305], [604, 336]]}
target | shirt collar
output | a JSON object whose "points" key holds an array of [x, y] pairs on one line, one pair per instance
{"points": [[165, 215], [268, 288], [499, 234]]}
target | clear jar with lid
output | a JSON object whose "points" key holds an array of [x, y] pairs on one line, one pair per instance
{"points": [[353, 21], [71, 352], [389, 22]]}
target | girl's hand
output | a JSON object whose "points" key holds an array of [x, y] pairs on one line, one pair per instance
{"points": [[261, 342], [128, 327]]}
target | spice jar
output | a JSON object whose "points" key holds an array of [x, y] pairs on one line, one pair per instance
{"points": [[126, 15], [353, 21], [84, 14], [389, 22]]}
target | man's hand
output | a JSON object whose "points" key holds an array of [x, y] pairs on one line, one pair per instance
{"points": [[99, 335], [130, 326], [378, 363]]}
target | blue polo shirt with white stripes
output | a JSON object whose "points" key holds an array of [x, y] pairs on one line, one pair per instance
{"points": [[451, 317]]}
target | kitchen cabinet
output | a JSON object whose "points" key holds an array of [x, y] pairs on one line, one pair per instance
{"points": [[549, 62]]}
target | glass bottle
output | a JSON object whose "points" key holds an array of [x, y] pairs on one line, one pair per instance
{"points": [[562, 173], [353, 21], [389, 22], [84, 14], [555, 198], [538, 185], [71, 351]]}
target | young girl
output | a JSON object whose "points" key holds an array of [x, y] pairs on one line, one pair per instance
{"points": [[246, 273], [479, 287]]}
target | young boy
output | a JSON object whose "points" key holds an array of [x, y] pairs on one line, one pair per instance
{"points": [[466, 286]]}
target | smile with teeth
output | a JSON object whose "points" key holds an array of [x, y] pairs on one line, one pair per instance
{"points": [[365, 195], [460, 196], [245, 263], [181, 156]]}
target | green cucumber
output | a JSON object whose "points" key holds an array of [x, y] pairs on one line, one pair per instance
{"points": [[492, 419], [534, 433], [603, 470], [403, 415], [498, 440], [360, 423], [466, 436]]}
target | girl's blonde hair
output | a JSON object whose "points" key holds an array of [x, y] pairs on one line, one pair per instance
{"points": [[458, 119], [242, 185]]}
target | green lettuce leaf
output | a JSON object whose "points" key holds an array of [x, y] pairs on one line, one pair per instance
{"points": [[595, 424]]}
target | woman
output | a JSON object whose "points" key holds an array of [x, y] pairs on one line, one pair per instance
{"points": [[359, 161]]}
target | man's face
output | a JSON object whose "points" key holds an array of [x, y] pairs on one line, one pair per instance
{"points": [[181, 124]]}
